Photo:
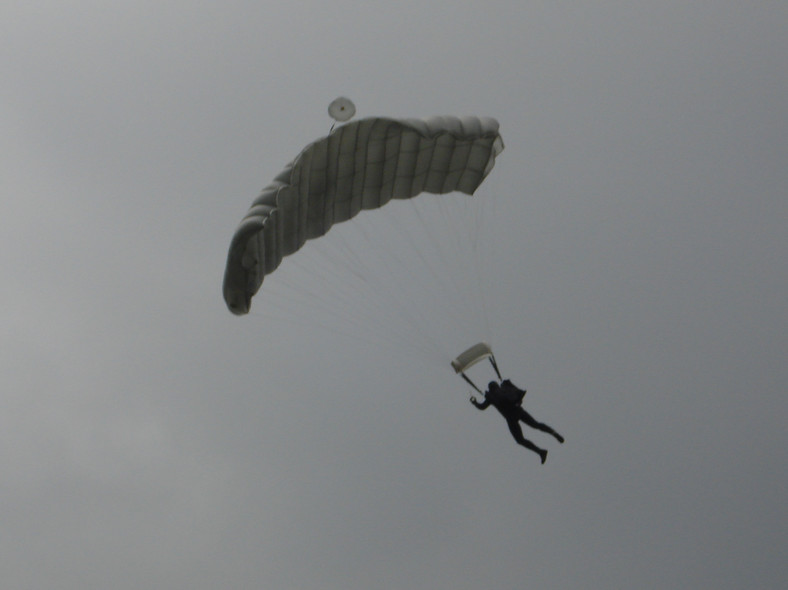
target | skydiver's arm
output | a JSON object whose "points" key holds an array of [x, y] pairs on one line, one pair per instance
{"points": [[480, 406]]}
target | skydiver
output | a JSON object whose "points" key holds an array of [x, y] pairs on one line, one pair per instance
{"points": [[507, 400]]}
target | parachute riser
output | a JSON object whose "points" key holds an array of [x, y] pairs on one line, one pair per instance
{"points": [[471, 383], [495, 366]]}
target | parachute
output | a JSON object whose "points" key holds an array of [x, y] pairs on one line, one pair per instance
{"points": [[473, 355], [342, 109], [359, 165]]}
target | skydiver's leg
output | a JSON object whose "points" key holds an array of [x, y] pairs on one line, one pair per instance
{"points": [[517, 433], [528, 419]]}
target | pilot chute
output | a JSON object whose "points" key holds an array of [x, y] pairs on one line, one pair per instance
{"points": [[342, 109]]}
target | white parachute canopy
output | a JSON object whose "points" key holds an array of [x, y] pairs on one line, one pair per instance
{"points": [[360, 165], [342, 109], [475, 354]]}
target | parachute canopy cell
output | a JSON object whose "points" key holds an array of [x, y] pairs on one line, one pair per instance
{"points": [[360, 165], [475, 354], [342, 109]]}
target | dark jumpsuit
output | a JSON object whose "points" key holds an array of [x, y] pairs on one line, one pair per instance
{"points": [[513, 413]]}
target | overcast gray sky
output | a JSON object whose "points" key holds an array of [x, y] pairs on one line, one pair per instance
{"points": [[636, 286]]}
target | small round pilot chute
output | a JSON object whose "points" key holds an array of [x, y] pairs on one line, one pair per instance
{"points": [[342, 109]]}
